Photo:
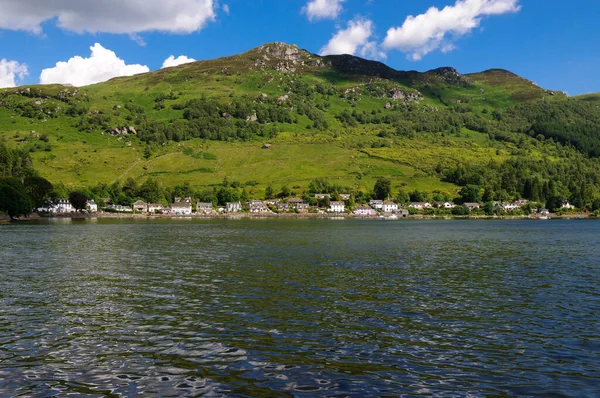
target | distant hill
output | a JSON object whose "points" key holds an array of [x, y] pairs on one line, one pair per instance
{"points": [[339, 117]]}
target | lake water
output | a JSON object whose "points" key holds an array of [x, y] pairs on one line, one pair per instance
{"points": [[300, 308]]}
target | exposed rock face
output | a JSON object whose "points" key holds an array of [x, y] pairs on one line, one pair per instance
{"points": [[123, 131], [285, 58], [283, 98], [450, 75], [408, 96], [252, 118], [281, 51]]}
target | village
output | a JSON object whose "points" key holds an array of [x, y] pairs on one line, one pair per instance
{"points": [[271, 207]]}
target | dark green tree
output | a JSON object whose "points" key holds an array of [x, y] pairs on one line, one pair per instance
{"points": [[382, 189], [39, 190], [78, 199], [14, 200], [471, 193]]}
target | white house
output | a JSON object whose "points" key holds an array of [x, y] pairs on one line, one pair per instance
{"points": [[283, 206], [322, 196], [92, 206], [567, 206], [376, 204], [510, 206], [420, 205], [119, 208], [389, 206], [181, 208], [302, 207], [336, 207], [364, 211], [155, 207], [233, 207], [446, 205], [345, 196]]}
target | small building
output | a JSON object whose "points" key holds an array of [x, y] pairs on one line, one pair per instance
{"points": [[389, 206], [345, 196], [283, 207], [322, 196], [204, 207], [181, 208], [420, 205], [272, 202], [295, 201], [257, 206], [140, 206], [567, 206], [91, 206], [472, 206], [364, 211], [187, 200], [376, 204], [446, 205], [233, 207], [302, 207], [510, 206], [155, 208], [63, 206], [402, 213], [337, 207]]}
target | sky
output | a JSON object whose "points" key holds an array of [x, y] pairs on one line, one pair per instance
{"points": [[551, 42]]}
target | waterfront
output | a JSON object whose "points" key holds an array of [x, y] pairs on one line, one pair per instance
{"points": [[300, 307]]}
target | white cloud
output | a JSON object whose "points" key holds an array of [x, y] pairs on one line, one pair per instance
{"points": [[110, 16], [353, 39], [437, 29], [102, 65], [225, 8], [11, 72], [323, 9], [172, 61]]}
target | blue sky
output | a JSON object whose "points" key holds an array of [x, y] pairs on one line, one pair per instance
{"points": [[550, 42]]}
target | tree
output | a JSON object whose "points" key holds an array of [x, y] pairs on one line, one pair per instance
{"points": [[417, 196], [244, 197], [269, 192], [14, 200], [382, 189], [461, 211], [78, 199], [285, 192], [39, 190], [152, 192], [471, 193]]}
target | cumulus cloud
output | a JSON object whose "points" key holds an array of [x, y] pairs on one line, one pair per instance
{"points": [[102, 65], [323, 9], [225, 9], [354, 39], [11, 72], [437, 29], [172, 61], [110, 16]]}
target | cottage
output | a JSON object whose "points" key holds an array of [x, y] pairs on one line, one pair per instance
{"points": [[446, 205], [364, 211], [420, 205], [302, 207], [155, 208], [567, 206], [257, 206], [140, 206], [389, 206], [402, 213], [322, 196], [181, 208], [471, 206], [233, 207], [295, 201], [91, 206], [345, 196], [272, 202], [204, 207], [510, 206], [283, 207], [187, 200], [336, 207], [376, 204]]}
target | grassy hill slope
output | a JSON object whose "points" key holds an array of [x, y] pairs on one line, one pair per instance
{"points": [[338, 117]]}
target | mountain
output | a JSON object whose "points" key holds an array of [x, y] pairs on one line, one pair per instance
{"points": [[341, 118]]}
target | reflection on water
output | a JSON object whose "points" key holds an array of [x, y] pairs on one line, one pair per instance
{"points": [[300, 308]]}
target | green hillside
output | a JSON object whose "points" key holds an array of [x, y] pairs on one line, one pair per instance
{"points": [[341, 118]]}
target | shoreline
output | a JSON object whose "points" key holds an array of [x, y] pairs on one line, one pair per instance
{"points": [[284, 216]]}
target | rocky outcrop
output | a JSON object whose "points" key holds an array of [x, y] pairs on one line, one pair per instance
{"points": [[450, 75], [123, 131]]}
